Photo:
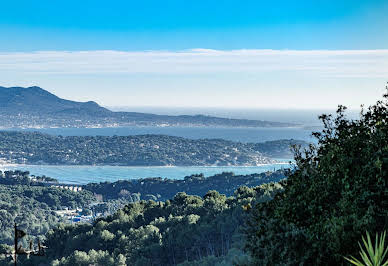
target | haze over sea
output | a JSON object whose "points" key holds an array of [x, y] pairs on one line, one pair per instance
{"points": [[306, 119]]}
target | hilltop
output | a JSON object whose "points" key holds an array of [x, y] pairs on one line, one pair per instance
{"points": [[37, 101], [36, 107]]}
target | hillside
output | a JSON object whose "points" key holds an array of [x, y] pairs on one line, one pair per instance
{"points": [[138, 150], [162, 189], [185, 228], [36, 107], [37, 207], [36, 101]]}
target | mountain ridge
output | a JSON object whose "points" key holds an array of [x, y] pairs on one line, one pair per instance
{"points": [[36, 107], [20, 99]]}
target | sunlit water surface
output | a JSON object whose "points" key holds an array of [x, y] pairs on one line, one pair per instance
{"points": [[88, 174]]}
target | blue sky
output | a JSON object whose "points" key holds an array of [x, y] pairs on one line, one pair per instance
{"points": [[177, 25], [145, 38]]}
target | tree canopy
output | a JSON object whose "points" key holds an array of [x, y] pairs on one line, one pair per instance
{"points": [[337, 191]]}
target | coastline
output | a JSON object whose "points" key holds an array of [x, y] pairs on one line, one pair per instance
{"points": [[296, 126], [77, 174], [142, 166]]}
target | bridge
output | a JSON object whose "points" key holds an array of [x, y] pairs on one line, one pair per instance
{"points": [[72, 187]]}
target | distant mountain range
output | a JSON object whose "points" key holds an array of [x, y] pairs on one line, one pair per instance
{"points": [[37, 101], [36, 107]]}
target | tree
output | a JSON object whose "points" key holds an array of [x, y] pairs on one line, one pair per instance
{"points": [[337, 191]]}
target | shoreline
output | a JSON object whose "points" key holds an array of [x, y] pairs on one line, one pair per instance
{"points": [[75, 174], [142, 166], [301, 126]]}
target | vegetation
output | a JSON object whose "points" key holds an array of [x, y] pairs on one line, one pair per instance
{"points": [[371, 255], [159, 189], [23, 178], [279, 148], [143, 232], [32, 208], [22, 189], [181, 230], [337, 191], [142, 150]]}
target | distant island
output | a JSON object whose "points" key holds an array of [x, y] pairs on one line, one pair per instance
{"points": [[34, 107], [138, 150]]}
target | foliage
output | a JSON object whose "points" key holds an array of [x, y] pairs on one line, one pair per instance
{"points": [[139, 150], [32, 208], [18, 177], [371, 255], [235, 256], [279, 148], [163, 189], [185, 228], [337, 191], [93, 257]]}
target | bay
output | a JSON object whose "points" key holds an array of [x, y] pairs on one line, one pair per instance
{"points": [[88, 174]]}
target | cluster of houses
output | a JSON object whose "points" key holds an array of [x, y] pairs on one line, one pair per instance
{"points": [[69, 187], [75, 216]]}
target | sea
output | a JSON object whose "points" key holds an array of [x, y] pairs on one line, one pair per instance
{"points": [[96, 174]]}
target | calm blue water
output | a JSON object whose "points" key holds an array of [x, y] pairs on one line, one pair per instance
{"points": [[87, 174], [233, 134]]}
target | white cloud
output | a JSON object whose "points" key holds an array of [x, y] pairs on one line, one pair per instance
{"points": [[322, 63]]}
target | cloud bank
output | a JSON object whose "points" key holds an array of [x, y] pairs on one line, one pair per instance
{"points": [[323, 63]]}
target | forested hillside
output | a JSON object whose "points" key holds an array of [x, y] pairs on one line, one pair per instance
{"points": [[35, 206], [160, 189], [185, 228], [138, 150], [32, 208], [18, 177]]}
